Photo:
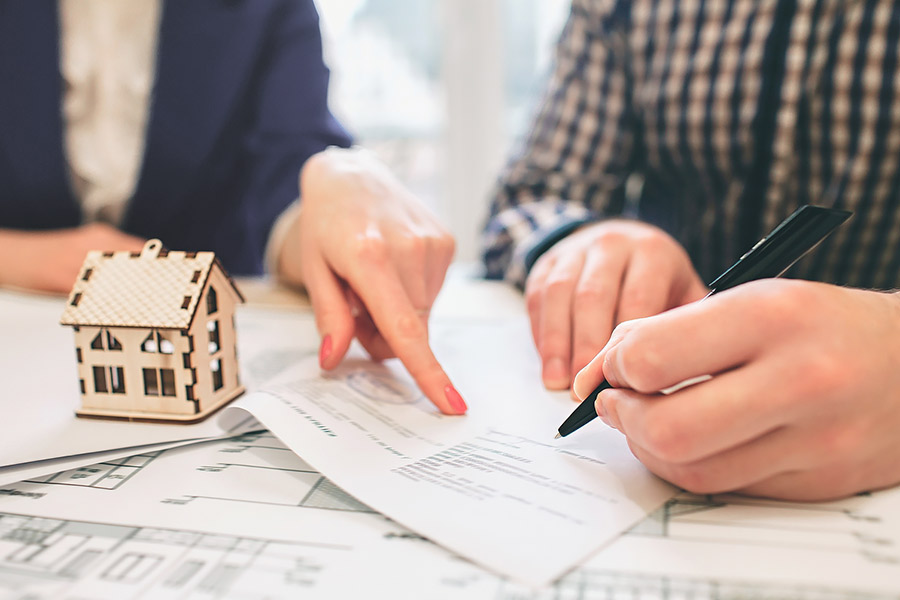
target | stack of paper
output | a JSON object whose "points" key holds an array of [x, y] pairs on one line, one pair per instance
{"points": [[389, 495]]}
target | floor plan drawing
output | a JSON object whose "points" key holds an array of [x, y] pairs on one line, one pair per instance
{"points": [[50, 558], [245, 518], [222, 478], [107, 475], [849, 544], [250, 485], [841, 527], [587, 584]]}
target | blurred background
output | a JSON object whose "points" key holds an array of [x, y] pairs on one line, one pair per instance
{"points": [[441, 90]]}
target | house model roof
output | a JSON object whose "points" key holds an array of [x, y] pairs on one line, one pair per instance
{"points": [[152, 289]]}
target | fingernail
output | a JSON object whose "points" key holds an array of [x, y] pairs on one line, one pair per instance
{"points": [[455, 400], [324, 350], [598, 406], [555, 372]]}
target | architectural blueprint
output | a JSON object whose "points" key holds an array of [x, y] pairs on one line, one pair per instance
{"points": [[246, 518], [218, 520]]}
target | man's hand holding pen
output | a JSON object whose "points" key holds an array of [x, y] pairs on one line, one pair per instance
{"points": [[804, 402], [789, 389]]}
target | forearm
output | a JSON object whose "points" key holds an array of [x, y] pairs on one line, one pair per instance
{"points": [[19, 266], [49, 261]]}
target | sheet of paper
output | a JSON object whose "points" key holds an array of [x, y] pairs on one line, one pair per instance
{"points": [[849, 544], [242, 517], [246, 518], [40, 384], [34, 470], [493, 486]]}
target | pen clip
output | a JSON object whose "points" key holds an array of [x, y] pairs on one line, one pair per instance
{"points": [[785, 245]]}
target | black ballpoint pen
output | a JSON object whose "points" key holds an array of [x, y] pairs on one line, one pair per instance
{"points": [[770, 257]]}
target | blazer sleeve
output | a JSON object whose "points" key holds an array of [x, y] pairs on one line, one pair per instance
{"points": [[289, 120], [574, 164]]}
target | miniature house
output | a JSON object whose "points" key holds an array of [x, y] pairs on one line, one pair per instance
{"points": [[154, 334]]}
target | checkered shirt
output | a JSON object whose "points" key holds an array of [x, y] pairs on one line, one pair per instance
{"points": [[731, 114]]}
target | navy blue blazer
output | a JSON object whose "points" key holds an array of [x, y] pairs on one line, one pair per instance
{"points": [[239, 104]]}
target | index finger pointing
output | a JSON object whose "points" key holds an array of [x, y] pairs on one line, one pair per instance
{"points": [[407, 334]]}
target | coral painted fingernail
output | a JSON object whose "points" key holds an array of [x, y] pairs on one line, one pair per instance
{"points": [[455, 400], [324, 350]]}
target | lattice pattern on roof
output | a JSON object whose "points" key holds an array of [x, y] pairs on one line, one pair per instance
{"points": [[149, 290]]}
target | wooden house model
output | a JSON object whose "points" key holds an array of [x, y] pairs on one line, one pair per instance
{"points": [[154, 334]]}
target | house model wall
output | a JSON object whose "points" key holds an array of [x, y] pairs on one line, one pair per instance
{"points": [[154, 334]]}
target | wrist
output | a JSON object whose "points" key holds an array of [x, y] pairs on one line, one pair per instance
{"points": [[284, 247]]}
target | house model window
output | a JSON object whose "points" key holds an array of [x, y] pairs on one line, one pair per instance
{"points": [[104, 340], [113, 384], [156, 342], [159, 382], [212, 303], [135, 319]]}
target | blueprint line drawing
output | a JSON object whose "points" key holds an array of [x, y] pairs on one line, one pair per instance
{"points": [[107, 475], [342, 549], [69, 558], [323, 494], [588, 584], [839, 529]]}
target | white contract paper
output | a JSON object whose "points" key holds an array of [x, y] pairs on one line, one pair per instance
{"points": [[493, 486]]}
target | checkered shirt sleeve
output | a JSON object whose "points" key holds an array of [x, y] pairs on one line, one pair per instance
{"points": [[572, 168]]}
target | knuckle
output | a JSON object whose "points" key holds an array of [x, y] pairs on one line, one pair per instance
{"points": [[411, 244], [664, 440], [589, 297], [370, 249], [607, 237], [825, 374], [635, 299], [655, 242], [778, 301], [558, 287], [410, 326], [641, 365]]}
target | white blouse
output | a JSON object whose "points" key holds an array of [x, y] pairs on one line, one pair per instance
{"points": [[108, 62], [108, 65]]}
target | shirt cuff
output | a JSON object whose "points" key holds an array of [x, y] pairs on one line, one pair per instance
{"points": [[529, 250], [550, 238]]}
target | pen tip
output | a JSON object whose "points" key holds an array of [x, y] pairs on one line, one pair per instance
{"points": [[557, 436]]}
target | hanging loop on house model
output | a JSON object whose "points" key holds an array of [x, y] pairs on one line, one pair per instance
{"points": [[151, 249]]}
